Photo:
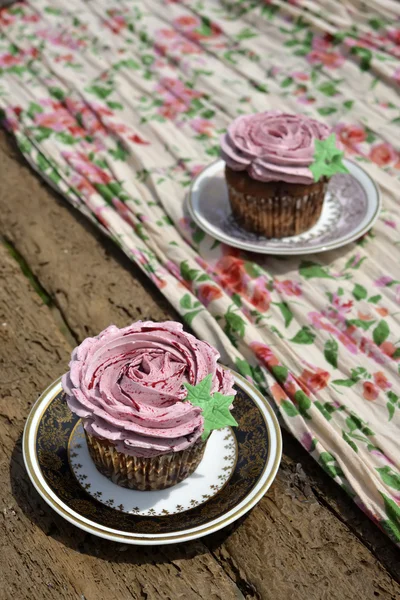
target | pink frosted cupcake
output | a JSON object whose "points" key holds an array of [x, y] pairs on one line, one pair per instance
{"points": [[277, 170], [137, 392]]}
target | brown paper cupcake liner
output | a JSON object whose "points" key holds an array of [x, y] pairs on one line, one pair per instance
{"points": [[276, 217], [138, 473], [274, 209]]}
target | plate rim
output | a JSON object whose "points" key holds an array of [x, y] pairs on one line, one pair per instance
{"points": [[272, 463], [249, 247]]}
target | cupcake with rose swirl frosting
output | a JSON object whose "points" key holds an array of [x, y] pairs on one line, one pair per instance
{"points": [[129, 386], [269, 156]]}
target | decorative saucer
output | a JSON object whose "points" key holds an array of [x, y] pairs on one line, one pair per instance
{"points": [[350, 209], [238, 467]]}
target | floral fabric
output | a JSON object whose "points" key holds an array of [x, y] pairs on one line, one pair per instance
{"points": [[119, 104]]}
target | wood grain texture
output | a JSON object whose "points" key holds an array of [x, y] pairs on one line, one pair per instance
{"points": [[305, 540], [292, 547]]}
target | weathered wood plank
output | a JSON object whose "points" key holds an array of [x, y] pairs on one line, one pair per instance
{"points": [[292, 547], [67, 254], [308, 474], [290, 521], [42, 556]]}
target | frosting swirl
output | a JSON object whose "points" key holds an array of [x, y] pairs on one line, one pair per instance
{"points": [[127, 386], [273, 146]]}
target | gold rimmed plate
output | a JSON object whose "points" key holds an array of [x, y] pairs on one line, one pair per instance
{"points": [[239, 466]]}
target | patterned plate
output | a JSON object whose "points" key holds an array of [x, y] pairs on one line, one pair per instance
{"points": [[238, 467], [351, 207]]}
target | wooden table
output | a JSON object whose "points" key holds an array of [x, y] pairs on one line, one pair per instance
{"points": [[60, 281]]}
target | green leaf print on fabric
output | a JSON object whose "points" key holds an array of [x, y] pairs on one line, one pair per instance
{"points": [[187, 273], [52, 11], [327, 110], [100, 92], [194, 308], [303, 403], [105, 191], [253, 372], [276, 331], [286, 82], [259, 378], [280, 373], [129, 63], [309, 270], [390, 477], [330, 465], [356, 375], [328, 88], [198, 235], [331, 350], [286, 312], [324, 409], [237, 299], [205, 27], [365, 325], [246, 34], [353, 423], [34, 109], [344, 382], [140, 230], [365, 56], [188, 317], [253, 270], [119, 153], [391, 405], [25, 145], [381, 332], [42, 163], [304, 336], [114, 105], [234, 325], [349, 441], [57, 93], [66, 138], [269, 11], [185, 301], [289, 408], [377, 24], [359, 292], [391, 410], [354, 263], [243, 367], [392, 524]]}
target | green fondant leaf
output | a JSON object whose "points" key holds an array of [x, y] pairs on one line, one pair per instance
{"points": [[328, 159], [215, 407]]}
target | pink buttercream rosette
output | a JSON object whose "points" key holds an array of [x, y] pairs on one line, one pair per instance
{"points": [[273, 146], [127, 386]]}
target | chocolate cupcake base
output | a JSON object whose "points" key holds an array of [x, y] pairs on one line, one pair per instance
{"points": [[138, 473], [274, 209]]}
